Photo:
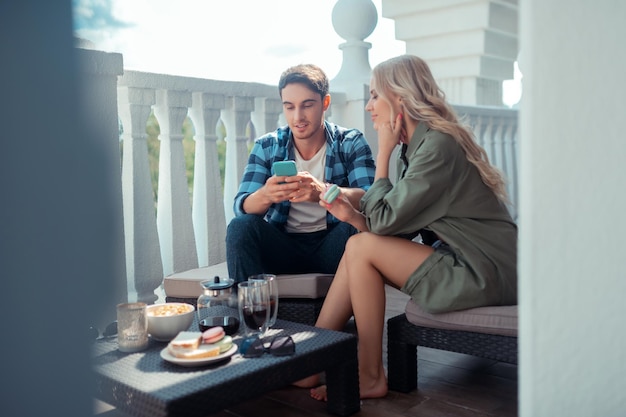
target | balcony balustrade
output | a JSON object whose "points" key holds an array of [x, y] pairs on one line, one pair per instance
{"points": [[185, 233]]}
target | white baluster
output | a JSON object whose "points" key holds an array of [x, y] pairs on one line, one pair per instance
{"points": [[178, 248], [488, 134], [143, 257], [498, 144], [236, 117], [480, 128], [266, 114], [512, 163], [208, 206]]}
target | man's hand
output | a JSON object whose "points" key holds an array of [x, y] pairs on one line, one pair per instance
{"points": [[280, 188], [295, 188], [309, 188]]}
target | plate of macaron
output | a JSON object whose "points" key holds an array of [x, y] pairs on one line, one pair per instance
{"points": [[190, 348]]}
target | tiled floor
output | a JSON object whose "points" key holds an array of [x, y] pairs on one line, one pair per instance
{"points": [[449, 384]]}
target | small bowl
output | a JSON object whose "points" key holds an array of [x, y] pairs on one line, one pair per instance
{"points": [[166, 320]]}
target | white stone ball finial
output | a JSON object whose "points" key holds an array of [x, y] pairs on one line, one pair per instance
{"points": [[354, 20]]}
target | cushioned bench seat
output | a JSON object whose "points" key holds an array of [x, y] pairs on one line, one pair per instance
{"points": [[488, 332], [300, 295]]}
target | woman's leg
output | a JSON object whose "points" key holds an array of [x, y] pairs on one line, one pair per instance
{"points": [[330, 250], [368, 263], [335, 313]]}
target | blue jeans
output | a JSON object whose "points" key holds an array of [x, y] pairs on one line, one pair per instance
{"points": [[253, 246]]}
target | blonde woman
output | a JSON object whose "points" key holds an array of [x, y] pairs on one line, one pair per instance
{"points": [[447, 192]]}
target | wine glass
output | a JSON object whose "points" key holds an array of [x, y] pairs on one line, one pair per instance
{"points": [[273, 291], [254, 311]]}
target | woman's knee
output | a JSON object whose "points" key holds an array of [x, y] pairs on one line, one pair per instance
{"points": [[361, 245]]}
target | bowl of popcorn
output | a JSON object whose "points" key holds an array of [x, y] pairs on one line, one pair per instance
{"points": [[166, 320]]}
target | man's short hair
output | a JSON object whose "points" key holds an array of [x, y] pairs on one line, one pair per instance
{"points": [[310, 75]]}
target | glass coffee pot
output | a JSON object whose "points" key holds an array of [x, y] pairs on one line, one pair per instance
{"points": [[218, 305]]}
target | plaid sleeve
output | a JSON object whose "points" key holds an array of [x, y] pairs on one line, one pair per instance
{"points": [[363, 168], [266, 150], [355, 156], [257, 171]]}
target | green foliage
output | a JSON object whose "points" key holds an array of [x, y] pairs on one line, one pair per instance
{"points": [[221, 158], [154, 146], [189, 150]]}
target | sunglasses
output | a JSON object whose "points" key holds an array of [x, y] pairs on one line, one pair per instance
{"points": [[110, 330], [279, 346]]}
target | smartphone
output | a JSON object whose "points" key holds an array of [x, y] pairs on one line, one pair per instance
{"points": [[285, 168]]}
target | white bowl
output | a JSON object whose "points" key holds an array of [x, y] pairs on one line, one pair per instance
{"points": [[166, 320]]}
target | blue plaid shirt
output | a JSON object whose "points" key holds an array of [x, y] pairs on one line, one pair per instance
{"points": [[349, 163]]}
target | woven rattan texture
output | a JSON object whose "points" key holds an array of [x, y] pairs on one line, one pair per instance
{"points": [[299, 310], [143, 384], [403, 338]]}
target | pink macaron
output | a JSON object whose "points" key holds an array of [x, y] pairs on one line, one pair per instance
{"points": [[212, 335]]}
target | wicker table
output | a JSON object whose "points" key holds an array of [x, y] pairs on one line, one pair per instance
{"points": [[143, 384]]}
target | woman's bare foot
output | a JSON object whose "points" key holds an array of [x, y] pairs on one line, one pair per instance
{"points": [[377, 389], [374, 389], [309, 382], [319, 393]]}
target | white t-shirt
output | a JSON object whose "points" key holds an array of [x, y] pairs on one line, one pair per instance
{"points": [[308, 217]]}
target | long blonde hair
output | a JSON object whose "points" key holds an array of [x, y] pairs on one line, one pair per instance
{"points": [[409, 78]]}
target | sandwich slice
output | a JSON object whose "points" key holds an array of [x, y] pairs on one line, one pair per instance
{"points": [[188, 345]]}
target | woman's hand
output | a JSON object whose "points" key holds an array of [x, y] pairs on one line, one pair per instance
{"points": [[342, 209], [390, 135]]}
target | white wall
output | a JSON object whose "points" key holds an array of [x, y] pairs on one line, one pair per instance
{"points": [[572, 212]]}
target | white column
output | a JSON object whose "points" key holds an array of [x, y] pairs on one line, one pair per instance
{"points": [[572, 276], [470, 45], [178, 249], [98, 97], [59, 210]]}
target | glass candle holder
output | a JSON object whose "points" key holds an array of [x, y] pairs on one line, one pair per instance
{"points": [[132, 327]]}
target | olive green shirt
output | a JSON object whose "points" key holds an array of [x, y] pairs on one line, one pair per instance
{"points": [[443, 192]]}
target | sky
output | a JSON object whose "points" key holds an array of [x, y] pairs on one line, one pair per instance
{"points": [[233, 40]]}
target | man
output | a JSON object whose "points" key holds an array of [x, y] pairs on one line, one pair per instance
{"points": [[279, 226]]}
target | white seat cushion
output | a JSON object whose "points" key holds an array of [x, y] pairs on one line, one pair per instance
{"points": [[501, 320], [186, 284]]}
